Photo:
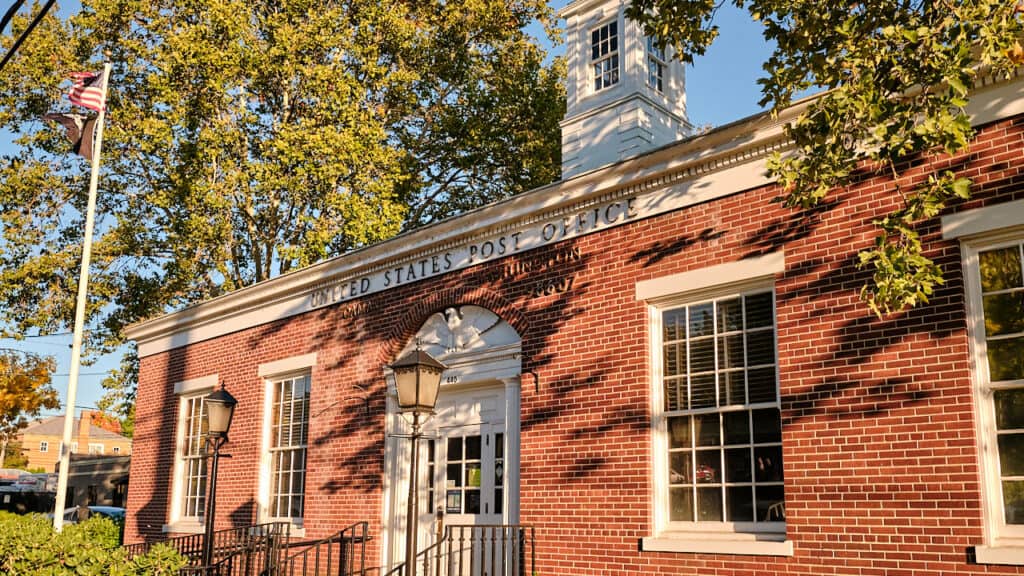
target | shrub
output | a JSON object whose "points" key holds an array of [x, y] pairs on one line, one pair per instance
{"points": [[30, 546]]}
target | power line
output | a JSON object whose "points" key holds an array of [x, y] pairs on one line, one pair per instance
{"points": [[54, 335], [32, 26], [10, 14], [27, 336]]}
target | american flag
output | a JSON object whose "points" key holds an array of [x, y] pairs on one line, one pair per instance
{"points": [[87, 90]]}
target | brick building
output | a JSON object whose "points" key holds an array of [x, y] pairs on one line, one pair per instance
{"points": [[651, 362]]}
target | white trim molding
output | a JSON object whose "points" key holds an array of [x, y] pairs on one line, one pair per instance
{"points": [[745, 279], [983, 220], [196, 384], [1007, 555], [1003, 542], [285, 365], [273, 373], [184, 390], [711, 545], [713, 276]]}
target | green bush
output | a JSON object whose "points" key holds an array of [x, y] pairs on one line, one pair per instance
{"points": [[30, 546]]}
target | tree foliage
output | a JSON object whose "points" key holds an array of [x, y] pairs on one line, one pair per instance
{"points": [[24, 391], [14, 456], [248, 138], [896, 76]]}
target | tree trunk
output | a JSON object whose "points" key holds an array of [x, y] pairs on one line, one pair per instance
{"points": [[3, 451]]}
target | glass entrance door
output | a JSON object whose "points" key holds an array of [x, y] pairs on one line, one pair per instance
{"points": [[466, 471]]}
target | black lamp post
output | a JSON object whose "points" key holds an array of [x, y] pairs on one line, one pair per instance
{"points": [[220, 407], [417, 379]]}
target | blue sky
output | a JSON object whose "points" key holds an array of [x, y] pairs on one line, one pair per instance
{"points": [[721, 88]]}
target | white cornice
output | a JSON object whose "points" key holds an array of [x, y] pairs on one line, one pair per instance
{"points": [[579, 6], [636, 95], [726, 160]]}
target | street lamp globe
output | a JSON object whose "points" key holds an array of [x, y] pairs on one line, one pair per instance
{"points": [[220, 407], [417, 379]]}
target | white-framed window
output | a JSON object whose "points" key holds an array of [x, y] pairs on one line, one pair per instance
{"points": [[656, 65], [718, 459], [95, 448], [289, 434], [74, 447], [192, 457], [995, 276], [604, 55], [188, 492], [117, 449], [44, 446]]}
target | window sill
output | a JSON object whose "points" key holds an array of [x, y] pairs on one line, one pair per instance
{"points": [[1009, 555], [184, 527], [295, 530], [741, 544]]}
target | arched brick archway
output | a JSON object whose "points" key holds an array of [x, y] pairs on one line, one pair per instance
{"points": [[415, 316]]}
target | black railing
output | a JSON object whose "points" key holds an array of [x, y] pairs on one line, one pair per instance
{"points": [[247, 551], [481, 550], [222, 568], [341, 554]]}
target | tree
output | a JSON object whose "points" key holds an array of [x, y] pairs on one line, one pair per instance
{"points": [[24, 391], [897, 77], [14, 457], [249, 138]]}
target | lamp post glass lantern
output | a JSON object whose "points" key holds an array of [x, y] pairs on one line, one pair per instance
{"points": [[417, 380], [220, 407]]}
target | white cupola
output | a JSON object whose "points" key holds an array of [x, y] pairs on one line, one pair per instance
{"points": [[624, 97]]}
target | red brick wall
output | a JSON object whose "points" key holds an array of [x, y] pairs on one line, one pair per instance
{"points": [[878, 429]]}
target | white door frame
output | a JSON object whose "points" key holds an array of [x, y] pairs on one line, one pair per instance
{"points": [[484, 352]]}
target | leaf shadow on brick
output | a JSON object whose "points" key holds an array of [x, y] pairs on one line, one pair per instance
{"points": [[662, 250], [555, 394], [356, 414], [152, 426], [790, 228], [623, 418], [850, 380]]}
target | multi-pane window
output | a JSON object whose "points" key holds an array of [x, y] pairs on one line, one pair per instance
{"points": [[1002, 300], [44, 446], [193, 456], [431, 470], [655, 65], [95, 448], [499, 472], [604, 55], [289, 436], [463, 475], [721, 412]]}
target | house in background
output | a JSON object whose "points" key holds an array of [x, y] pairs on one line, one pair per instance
{"points": [[97, 480], [650, 362], [41, 441]]}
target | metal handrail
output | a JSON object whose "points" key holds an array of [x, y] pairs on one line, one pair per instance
{"points": [[192, 544], [247, 550], [342, 553], [492, 549]]}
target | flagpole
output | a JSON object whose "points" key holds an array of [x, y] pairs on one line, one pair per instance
{"points": [[76, 342]]}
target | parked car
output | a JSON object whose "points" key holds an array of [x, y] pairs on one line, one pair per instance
{"points": [[115, 513]]}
